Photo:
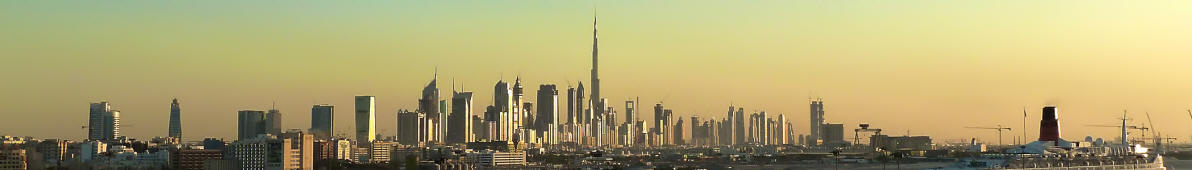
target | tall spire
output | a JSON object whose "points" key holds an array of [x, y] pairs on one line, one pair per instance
{"points": [[595, 98]]}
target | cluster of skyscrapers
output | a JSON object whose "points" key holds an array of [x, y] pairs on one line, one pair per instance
{"points": [[497, 135]]}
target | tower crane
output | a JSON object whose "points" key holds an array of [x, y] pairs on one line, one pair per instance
{"points": [[1144, 129], [999, 129]]}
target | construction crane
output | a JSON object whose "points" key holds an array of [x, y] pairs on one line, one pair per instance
{"points": [[1158, 138], [1144, 129], [999, 129]]}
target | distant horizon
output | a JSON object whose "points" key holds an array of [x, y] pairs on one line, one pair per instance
{"points": [[927, 67]]}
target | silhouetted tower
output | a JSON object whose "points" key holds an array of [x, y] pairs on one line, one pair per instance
{"points": [[175, 120], [597, 106]]}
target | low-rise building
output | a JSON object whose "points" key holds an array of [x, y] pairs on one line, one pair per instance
{"points": [[194, 159], [489, 158]]}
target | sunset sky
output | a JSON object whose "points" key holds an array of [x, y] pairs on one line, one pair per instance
{"points": [[927, 67]]}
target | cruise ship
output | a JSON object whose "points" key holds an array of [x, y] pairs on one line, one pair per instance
{"points": [[1053, 152]]}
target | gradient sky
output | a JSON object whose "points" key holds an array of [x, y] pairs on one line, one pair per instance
{"points": [[926, 67]]}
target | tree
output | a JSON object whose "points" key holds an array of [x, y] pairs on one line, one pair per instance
{"points": [[411, 162]]}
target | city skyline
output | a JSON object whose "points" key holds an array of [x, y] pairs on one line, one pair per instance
{"points": [[1091, 84]]}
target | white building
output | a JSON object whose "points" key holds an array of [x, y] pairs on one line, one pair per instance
{"points": [[489, 158]]}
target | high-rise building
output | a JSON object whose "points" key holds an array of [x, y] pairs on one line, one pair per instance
{"points": [[501, 116], [528, 110], [459, 124], [502, 96], [697, 130], [583, 116], [739, 126], [630, 111], [726, 130], [658, 119], [430, 105], [103, 122], [781, 133], [273, 122], [408, 127], [548, 107], [817, 119], [322, 121], [599, 106], [95, 123], [250, 124], [517, 111], [728, 121], [678, 129], [112, 128], [175, 120], [365, 120], [571, 104]]}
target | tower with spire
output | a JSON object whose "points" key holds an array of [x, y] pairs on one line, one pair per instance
{"points": [[597, 106], [429, 105]]}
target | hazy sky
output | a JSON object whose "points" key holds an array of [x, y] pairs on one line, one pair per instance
{"points": [[927, 67]]}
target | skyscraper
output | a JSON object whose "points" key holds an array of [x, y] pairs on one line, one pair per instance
{"points": [[95, 120], [548, 107], [175, 120], [249, 124], [111, 125], [273, 122], [739, 123], [581, 113], [429, 105], [817, 120], [781, 133], [501, 115], [599, 107], [630, 109], [571, 106], [409, 127], [365, 120], [322, 121], [678, 133], [517, 111], [459, 123], [729, 126]]}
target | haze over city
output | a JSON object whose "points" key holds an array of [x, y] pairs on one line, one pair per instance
{"points": [[927, 67]]}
